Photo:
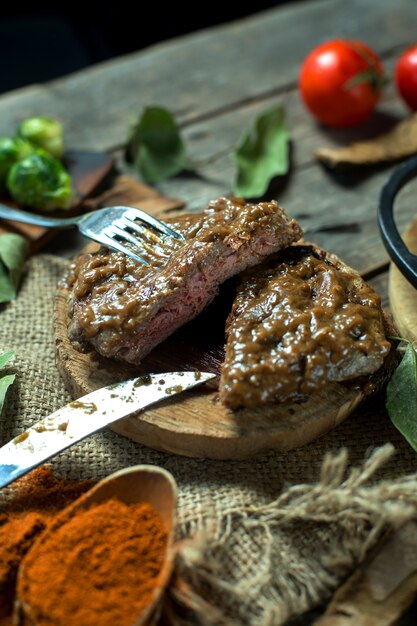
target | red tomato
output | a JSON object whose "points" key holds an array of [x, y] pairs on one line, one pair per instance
{"points": [[340, 82], [406, 77]]}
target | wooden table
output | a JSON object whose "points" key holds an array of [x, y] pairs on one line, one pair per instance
{"points": [[215, 82]]}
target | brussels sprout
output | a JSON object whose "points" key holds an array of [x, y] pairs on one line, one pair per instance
{"points": [[12, 149], [44, 133], [40, 181]]}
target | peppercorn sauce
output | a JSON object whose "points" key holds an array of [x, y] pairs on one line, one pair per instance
{"points": [[300, 319], [123, 308]]}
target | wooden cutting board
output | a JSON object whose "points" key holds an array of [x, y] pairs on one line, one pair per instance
{"points": [[88, 171], [402, 295], [195, 423]]}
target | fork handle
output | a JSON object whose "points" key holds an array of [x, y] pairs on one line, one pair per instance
{"points": [[18, 215]]}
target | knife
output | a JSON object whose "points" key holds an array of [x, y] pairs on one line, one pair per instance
{"points": [[87, 415]]}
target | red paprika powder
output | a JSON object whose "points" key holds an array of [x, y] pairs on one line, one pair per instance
{"points": [[99, 568], [26, 510]]}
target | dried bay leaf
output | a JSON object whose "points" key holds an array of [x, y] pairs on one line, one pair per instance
{"points": [[397, 143]]}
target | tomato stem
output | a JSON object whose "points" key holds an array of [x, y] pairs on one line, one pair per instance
{"points": [[371, 76]]}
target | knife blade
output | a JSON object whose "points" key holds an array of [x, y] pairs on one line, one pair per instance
{"points": [[87, 415]]}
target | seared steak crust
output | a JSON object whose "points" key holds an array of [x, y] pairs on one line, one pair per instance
{"points": [[300, 319], [124, 309]]}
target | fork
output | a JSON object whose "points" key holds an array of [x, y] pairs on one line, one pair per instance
{"points": [[107, 226]]}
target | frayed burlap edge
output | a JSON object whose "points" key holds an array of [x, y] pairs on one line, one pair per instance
{"points": [[298, 548]]}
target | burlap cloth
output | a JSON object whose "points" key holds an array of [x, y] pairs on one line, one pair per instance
{"points": [[281, 531]]}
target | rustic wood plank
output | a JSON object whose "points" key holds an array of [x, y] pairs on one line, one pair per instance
{"points": [[317, 198], [319, 201], [311, 195], [200, 74], [212, 138], [338, 216]]}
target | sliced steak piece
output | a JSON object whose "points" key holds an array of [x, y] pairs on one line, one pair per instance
{"points": [[300, 320], [124, 309]]}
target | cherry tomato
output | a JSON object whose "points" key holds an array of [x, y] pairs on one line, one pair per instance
{"points": [[341, 81], [406, 76]]}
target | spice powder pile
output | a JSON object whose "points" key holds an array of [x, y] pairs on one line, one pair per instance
{"points": [[26, 509], [98, 568]]}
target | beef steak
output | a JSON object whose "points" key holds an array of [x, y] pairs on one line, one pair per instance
{"points": [[124, 309], [300, 319]]}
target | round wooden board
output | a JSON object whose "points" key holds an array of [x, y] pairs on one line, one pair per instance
{"points": [[402, 295], [195, 423]]}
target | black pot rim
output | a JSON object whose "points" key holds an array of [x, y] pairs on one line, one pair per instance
{"points": [[396, 248]]}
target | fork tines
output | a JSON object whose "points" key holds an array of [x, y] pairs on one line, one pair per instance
{"points": [[133, 222]]}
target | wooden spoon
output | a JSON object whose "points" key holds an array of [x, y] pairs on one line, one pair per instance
{"points": [[140, 483]]}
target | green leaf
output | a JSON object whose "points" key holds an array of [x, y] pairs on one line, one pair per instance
{"points": [[156, 146], [5, 358], [401, 397], [262, 154], [13, 251], [5, 380], [7, 291]]}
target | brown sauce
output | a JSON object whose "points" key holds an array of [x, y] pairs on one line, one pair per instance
{"points": [[115, 298], [88, 407], [299, 320], [20, 438], [118, 293]]}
